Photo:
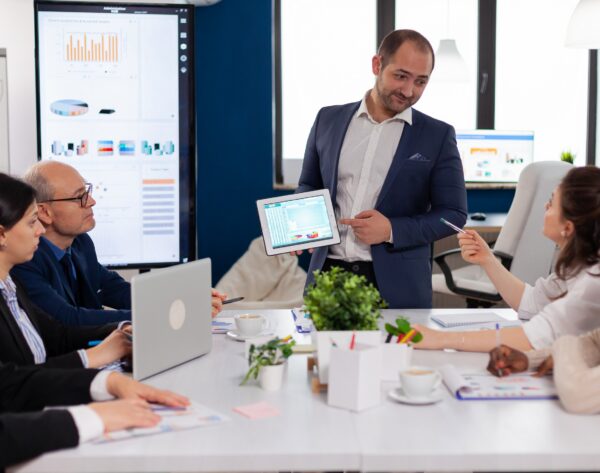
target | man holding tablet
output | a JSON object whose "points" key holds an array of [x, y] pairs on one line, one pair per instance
{"points": [[392, 172]]}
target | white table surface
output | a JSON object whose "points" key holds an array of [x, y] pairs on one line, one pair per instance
{"points": [[310, 436]]}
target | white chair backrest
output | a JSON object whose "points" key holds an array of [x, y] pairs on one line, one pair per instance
{"points": [[521, 236]]}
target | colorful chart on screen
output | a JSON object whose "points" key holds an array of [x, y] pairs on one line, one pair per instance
{"points": [[298, 222], [69, 108]]}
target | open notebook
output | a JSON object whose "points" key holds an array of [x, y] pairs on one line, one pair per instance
{"points": [[466, 319], [173, 420], [484, 386]]}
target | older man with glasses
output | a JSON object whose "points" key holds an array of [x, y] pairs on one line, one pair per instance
{"points": [[64, 278]]}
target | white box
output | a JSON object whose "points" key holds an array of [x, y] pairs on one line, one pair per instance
{"points": [[323, 342], [395, 357], [355, 377]]}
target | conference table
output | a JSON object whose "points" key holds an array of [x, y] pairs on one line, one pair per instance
{"points": [[308, 435]]}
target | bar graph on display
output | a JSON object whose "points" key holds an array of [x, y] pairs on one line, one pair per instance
{"points": [[92, 47]]}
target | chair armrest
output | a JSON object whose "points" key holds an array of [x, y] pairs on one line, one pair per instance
{"points": [[440, 259]]}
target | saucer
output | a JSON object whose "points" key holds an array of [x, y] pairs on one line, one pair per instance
{"points": [[397, 394], [238, 337]]}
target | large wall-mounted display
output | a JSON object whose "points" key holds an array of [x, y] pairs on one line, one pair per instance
{"points": [[116, 101]]}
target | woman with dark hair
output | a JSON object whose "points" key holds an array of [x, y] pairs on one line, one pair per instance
{"points": [[28, 335], [565, 303]]}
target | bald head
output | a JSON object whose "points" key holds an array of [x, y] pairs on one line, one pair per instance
{"points": [[50, 177], [64, 201]]}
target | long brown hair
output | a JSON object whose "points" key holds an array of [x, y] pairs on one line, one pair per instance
{"points": [[580, 204]]}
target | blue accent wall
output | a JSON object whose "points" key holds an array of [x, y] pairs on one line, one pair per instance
{"points": [[234, 132], [234, 129]]}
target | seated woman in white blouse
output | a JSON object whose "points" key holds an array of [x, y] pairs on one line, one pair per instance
{"points": [[565, 303]]}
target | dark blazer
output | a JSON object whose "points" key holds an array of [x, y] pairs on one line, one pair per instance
{"points": [[61, 341], [24, 436], [47, 286], [424, 183]]}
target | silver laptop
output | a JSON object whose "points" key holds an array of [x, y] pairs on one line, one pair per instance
{"points": [[171, 316]]}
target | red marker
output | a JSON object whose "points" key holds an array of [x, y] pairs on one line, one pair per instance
{"points": [[353, 341]]}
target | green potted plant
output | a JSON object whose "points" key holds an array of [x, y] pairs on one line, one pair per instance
{"points": [[342, 305], [266, 362], [567, 157]]}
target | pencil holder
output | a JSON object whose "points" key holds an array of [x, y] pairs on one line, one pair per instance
{"points": [[395, 357], [355, 377]]}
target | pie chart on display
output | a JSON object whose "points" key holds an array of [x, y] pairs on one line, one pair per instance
{"points": [[69, 108]]}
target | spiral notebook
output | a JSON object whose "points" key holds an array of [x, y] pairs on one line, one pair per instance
{"points": [[466, 319]]}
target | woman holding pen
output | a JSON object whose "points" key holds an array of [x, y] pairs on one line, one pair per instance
{"points": [[567, 301], [28, 335]]}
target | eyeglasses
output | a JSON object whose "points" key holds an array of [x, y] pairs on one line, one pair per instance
{"points": [[83, 198]]}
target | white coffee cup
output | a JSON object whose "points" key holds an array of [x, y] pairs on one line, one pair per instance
{"points": [[249, 325], [419, 381]]}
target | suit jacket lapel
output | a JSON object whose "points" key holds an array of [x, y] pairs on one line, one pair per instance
{"points": [[63, 280], [15, 331], [337, 138], [87, 296], [402, 153], [45, 247]]}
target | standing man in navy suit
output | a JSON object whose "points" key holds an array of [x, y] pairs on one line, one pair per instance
{"points": [[392, 171], [64, 278]]}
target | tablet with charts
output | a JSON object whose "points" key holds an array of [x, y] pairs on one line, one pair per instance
{"points": [[298, 222]]}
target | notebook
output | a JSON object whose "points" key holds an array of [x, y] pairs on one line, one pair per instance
{"points": [[461, 320], [172, 420], [482, 386]]}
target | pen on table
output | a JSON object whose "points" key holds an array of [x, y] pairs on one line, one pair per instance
{"points": [[353, 341], [231, 301], [498, 345], [452, 226]]}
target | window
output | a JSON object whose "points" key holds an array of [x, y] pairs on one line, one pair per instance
{"points": [[324, 61], [541, 85], [530, 81], [452, 101]]}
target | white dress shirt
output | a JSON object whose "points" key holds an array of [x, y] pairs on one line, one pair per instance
{"points": [[88, 423], [576, 313], [367, 153]]}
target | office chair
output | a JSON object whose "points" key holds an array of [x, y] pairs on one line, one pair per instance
{"points": [[266, 282], [521, 246]]}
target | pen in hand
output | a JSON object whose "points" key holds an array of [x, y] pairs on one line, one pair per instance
{"points": [[231, 301], [452, 226], [498, 346]]}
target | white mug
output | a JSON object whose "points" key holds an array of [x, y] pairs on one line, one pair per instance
{"points": [[249, 325], [419, 381]]}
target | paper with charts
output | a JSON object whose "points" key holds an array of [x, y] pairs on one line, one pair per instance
{"points": [[173, 420], [484, 386]]}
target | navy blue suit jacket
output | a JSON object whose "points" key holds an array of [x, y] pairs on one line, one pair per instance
{"points": [[424, 183], [45, 282]]}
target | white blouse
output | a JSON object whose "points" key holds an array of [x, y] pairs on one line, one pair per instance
{"points": [[576, 313]]}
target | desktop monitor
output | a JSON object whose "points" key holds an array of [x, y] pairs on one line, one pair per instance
{"points": [[115, 89], [494, 156]]}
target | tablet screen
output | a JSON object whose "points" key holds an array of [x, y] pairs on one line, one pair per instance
{"points": [[298, 221]]}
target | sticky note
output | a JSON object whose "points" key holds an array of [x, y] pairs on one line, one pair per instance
{"points": [[259, 410]]}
